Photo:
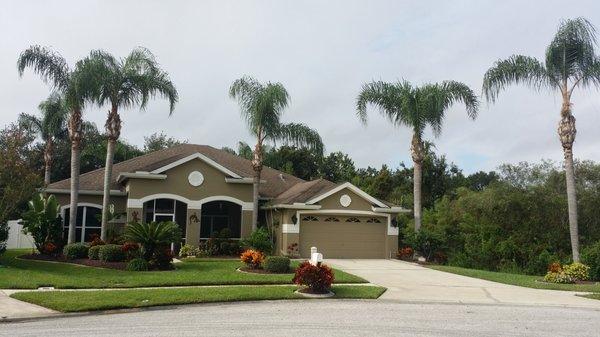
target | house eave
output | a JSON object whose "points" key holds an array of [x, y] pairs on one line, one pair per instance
{"points": [[390, 210], [293, 206], [82, 192], [140, 175]]}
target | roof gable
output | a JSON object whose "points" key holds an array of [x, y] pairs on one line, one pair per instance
{"points": [[351, 187], [202, 157]]}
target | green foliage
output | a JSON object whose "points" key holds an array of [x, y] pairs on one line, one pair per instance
{"points": [[94, 252], [558, 277], [42, 221], [277, 264], [111, 253], [159, 141], [154, 239], [137, 264], [259, 240], [18, 179], [591, 257], [426, 241], [188, 250], [577, 271], [76, 251]]}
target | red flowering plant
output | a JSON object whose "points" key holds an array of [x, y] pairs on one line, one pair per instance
{"points": [[317, 279], [293, 250], [252, 258], [131, 250], [405, 253], [49, 248], [96, 240]]}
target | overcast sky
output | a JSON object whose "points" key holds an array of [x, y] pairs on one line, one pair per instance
{"points": [[322, 51]]}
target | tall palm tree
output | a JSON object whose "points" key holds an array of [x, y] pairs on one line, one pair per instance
{"points": [[51, 126], [124, 83], [416, 108], [571, 62], [262, 106], [75, 87]]}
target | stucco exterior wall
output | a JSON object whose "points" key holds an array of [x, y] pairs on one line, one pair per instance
{"points": [[333, 202], [120, 202]]}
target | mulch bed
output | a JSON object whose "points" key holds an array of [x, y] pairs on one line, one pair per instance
{"points": [[259, 271], [576, 282], [84, 262]]}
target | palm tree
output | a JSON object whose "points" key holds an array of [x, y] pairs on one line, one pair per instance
{"points": [[571, 62], [262, 106], [124, 83], [51, 126], [416, 108], [75, 87]]}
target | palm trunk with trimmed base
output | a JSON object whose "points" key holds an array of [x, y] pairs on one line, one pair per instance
{"points": [[75, 157], [113, 130], [417, 156], [567, 133]]}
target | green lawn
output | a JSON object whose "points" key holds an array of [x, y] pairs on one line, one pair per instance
{"points": [[517, 279], [28, 274], [71, 301]]}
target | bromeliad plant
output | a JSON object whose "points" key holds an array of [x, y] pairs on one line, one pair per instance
{"points": [[42, 221], [154, 239]]}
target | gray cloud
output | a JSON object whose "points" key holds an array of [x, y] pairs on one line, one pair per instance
{"points": [[322, 52]]}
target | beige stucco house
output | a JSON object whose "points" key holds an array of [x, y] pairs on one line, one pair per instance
{"points": [[205, 189]]}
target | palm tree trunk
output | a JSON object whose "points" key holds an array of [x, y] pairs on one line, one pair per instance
{"points": [[113, 130], [567, 133], [257, 166], [417, 156], [75, 134]]}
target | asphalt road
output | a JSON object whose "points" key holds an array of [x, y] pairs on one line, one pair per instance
{"points": [[323, 318]]}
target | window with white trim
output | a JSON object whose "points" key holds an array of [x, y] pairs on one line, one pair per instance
{"points": [[87, 224], [160, 210]]}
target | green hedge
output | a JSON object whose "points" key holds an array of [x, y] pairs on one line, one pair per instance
{"points": [[277, 264], [75, 251], [111, 253]]}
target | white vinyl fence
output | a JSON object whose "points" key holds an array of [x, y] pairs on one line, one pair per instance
{"points": [[16, 238]]}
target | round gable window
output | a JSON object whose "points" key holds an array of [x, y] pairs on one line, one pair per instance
{"points": [[195, 178], [345, 200]]}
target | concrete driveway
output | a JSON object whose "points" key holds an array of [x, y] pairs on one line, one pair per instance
{"points": [[411, 282]]}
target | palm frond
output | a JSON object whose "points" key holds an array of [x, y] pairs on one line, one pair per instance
{"points": [[515, 70], [300, 135], [30, 123], [47, 63]]}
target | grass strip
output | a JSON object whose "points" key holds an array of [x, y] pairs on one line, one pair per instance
{"points": [[529, 281], [74, 301]]}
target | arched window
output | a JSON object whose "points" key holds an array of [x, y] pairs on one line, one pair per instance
{"points": [[87, 224], [310, 218], [352, 220], [166, 210], [219, 217], [332, 219], [373, 220]]}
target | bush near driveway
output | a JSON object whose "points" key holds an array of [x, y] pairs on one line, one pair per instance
{"points": [[277, 264], [318, 279], [591, 257]]}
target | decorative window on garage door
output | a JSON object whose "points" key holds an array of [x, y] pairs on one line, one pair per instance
{"points": [[332, 219], [373, 220], [310, 218], [353, 220]]}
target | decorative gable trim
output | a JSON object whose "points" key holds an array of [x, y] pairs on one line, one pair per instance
{"points": [[352, 188], [202, 157]]}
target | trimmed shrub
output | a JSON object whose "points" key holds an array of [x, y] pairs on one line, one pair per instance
{"points": [[154, 239], [318, 279], [188, 250], [277, 264], [591, 257], [75, 251], [560, 277], [111, 253], [137, 264], [259, 240], [252, 258], [93, 252], [577, 271]]}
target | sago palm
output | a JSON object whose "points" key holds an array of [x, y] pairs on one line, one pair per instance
{"points": [[262, 106], [416, 108], [124, 83], [570, 62], [75, 87], [50, 126]]}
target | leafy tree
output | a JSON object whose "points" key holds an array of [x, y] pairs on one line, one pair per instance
{"points": [[338, 167], [262, 106], [42, 221], [570, 62], [50, 127], [17, 180], [416, 108], [300, 162], [76, 87], [159, 141], [124, 83]]}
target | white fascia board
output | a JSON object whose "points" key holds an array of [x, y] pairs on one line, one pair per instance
{"points": [[202, 157], [292, 206], [351, 187], [140, 175], [82, 192], [390, 210], [244, 180]]}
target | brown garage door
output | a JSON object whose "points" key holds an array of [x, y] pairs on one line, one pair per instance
{"points": [[343, 237]]}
